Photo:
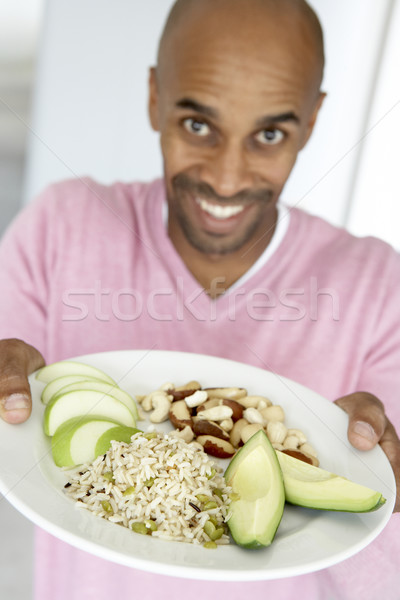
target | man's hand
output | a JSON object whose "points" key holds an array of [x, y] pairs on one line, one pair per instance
{"points": [[17, 361], [368, 426]]}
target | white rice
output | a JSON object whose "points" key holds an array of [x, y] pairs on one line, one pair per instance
{"points": [[176, 473]]}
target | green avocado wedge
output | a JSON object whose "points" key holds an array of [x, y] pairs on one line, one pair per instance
{"points": [[306, 485], [258, 493]]}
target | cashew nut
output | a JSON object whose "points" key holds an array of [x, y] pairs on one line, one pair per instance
{"points": [[291, 442], [161, 402], [277, 446], [308, 449], [196, 399], [185, 434], [299, 434]]}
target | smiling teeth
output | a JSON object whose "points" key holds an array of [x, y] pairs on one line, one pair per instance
{"points": [[219, 212]]}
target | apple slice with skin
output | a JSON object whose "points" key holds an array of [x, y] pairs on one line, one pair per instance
{"points": [[81, 439], [56, 385], [85, 403], [70, 367], [102, 386], [313, 487]]}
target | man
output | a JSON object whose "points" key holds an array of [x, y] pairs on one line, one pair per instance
{"points": [[223, 269]]}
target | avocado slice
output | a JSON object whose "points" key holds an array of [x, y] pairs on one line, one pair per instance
{"points": [[256, 479], [306, 485]]}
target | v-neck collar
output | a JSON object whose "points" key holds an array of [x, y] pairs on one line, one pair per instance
{"points": [[178, 269]]}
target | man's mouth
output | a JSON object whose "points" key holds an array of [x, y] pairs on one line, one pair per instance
{"points": [[219, 212]]}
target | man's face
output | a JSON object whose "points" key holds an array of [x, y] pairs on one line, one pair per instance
{"points": [[232, 120]]}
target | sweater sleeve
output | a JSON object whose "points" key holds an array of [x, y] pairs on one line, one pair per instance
{"points": [[25, 256]]}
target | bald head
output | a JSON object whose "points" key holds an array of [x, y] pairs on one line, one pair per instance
{"points": [[235, 96], [290, 23]]}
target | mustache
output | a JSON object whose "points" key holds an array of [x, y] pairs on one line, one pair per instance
{"points": [[184, 183]]}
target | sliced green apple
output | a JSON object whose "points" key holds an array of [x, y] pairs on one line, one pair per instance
{"points": [[81, 439], [120, 433], [56, 385], [70, 367], [102, 386], [306, 485], [258, 493], [85, 403]]}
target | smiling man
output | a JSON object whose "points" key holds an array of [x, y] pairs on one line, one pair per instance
{"points": [[209, 260], [233, 112]]}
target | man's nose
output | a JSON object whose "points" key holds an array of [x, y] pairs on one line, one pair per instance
{"points": [[227, 170]]}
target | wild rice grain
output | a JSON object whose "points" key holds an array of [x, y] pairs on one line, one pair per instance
{"points": [[178, 472]]}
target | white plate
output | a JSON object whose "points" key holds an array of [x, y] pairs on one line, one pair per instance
{"points": [[307, 540]]}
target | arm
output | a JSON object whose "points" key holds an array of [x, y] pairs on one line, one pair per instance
{"points": [[17, 361], [23, 254], [368, 426], [371, 420]]}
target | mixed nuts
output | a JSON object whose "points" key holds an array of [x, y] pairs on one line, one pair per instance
{"points": [[223, 419]]}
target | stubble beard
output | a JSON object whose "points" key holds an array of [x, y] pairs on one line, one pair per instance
{"points": [[207, 242]]}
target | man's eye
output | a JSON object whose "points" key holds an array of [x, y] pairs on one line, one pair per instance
{"points": [[197, 127], [269, 137]]}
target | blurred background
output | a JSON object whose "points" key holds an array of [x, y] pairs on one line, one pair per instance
{"points": [[73, 94], [20, 22]]}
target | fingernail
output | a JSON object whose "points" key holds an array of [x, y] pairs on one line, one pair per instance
{"points": [[16, 402], [365, 430]]}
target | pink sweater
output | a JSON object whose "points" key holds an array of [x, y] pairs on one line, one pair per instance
{"points": [[90, 268]]}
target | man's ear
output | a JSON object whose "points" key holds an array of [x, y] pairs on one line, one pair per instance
{"points": [[311, 123], [153, 99]]}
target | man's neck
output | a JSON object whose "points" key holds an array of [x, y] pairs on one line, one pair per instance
{"points": [[217, 273]]}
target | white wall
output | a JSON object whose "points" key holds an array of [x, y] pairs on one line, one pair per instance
{"points": [[91, 117], [375, 207], [19, 26], [323, 179]]}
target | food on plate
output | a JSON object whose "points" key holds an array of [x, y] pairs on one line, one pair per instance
{"points": [[85, 410], [166, 485], [84, 403], [313, 487], [224, 418], [71, 367], [56, 385], [157, 485], [81, 439], [106, 388], [258, 495]]}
